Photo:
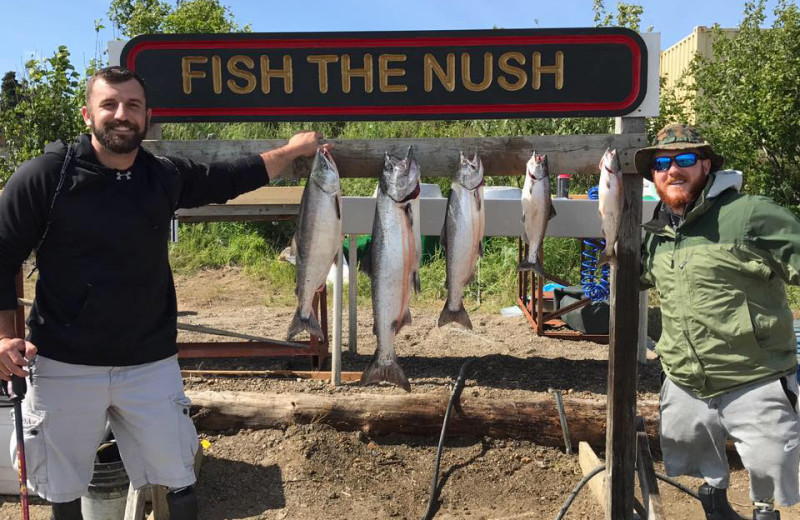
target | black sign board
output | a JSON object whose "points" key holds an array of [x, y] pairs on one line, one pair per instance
{"points": [[391, 75]]}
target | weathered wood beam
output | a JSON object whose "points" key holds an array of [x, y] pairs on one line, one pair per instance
{"points": [[623, 340], [411, 414], [438, 157]]}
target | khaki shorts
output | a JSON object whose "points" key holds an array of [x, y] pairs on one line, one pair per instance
{"points": [[65, 413], [759, 418]]}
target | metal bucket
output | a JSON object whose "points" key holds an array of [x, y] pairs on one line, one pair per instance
{"points": [[108, 490]]}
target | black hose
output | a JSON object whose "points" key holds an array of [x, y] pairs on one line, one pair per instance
{"points": [[577, 489], [456, 395], [677, 485]]}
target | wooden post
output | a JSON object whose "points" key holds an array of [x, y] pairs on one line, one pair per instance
{"points": [[623, 340], [352, 329]]}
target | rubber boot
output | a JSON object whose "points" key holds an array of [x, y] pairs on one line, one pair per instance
{"points": [[715, 503], [182, 504], [67, 510]]}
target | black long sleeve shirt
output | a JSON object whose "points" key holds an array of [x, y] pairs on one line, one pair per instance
{"points": [[105, 295]]}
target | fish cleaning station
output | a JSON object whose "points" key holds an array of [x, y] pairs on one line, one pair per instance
{"points": [[434, 75]]}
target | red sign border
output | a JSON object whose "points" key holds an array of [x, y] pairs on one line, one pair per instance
{"points": [[622, 36]]}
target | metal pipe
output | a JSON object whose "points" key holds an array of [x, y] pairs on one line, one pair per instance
{"points": [[562, 416]]}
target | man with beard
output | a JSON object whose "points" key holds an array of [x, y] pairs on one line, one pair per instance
{"points": [[104, 319], [720, 261]]}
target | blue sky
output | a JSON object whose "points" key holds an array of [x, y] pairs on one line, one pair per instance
{"points": [[38, 27]]}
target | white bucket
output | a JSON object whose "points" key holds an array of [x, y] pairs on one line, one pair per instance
{"points": [[501, 192], [9, 483]]}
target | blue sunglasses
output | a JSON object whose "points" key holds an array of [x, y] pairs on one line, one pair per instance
{"points": [[684, 160]]}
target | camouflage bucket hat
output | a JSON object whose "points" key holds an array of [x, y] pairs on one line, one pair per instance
{"points": [[675, 136]]}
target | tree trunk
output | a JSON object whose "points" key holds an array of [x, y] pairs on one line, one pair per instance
{"points": [[535, 419]]}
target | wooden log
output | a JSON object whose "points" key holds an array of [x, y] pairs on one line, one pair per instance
{"points": [[412, 414], [438, 157], [298, 374]]}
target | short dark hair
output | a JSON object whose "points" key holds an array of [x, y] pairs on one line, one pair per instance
{"points": [[113, 75]]}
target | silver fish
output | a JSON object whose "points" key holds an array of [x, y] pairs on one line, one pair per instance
{"points": [[462, 233], [537, 210], [315, 243], [610, 206], [394, 258]]}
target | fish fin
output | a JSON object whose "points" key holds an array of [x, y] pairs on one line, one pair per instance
{"points": [[416, 281], [536, 267], [409, 214], [480, 248], [300, 324], [338, 203], [460, 316], [552, 212], [607, 259], [478, 198], [405, 320], [391, 373]]}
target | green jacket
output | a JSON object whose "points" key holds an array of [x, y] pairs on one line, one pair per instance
{"points": [[720, 275]]}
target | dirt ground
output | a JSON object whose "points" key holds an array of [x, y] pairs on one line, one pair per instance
{"points": [[315, 472]]}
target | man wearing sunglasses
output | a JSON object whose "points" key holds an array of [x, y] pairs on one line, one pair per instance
{"points": [[719, 261]]}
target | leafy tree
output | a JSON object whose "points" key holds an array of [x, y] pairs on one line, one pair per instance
{"points": [[40, 109], [747, 100], [202, 16], [135, 17]]}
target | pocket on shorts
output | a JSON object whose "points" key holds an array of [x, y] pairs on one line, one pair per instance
{"points": [[790, 391], [186, 429], [33, 423]]}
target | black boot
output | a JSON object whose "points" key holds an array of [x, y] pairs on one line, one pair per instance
{"points": [[715, 503], [67, 510], [182, 504]]}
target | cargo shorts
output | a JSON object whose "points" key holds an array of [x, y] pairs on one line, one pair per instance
{"points": [[761, 420], [65, 413]]}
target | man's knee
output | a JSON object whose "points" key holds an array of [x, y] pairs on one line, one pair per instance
{"points": [[182, 504], [67, 510]]}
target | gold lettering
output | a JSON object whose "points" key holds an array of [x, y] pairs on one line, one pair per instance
{"points": [[557, 69], [249, 77], [216, 73], [322, 61], [487, 72], [384, 72], [431, 67], [285, 73], [365, 72], [188, 74], [517, 72]]}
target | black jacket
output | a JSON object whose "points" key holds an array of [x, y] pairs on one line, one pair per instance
{"points": [[105, 295]]}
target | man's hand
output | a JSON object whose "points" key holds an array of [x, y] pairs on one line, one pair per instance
{"points": [[302, 144], [14, 355]]}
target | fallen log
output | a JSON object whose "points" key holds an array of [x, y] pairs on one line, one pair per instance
{"points": [[535, 419]]}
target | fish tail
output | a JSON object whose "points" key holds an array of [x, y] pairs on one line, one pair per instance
{"points": [[390, 373], [459, 316], [300, 324], [536, 267], [607, 258]]}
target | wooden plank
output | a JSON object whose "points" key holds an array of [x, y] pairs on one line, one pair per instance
{"points": [[623, 340], [270, 195], [589, 460], [134, 506], [438, 157], [299, 374], [647, 479]]}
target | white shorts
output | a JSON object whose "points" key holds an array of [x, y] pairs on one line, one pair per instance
{"points": [[65, 413], [760, 420]]}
